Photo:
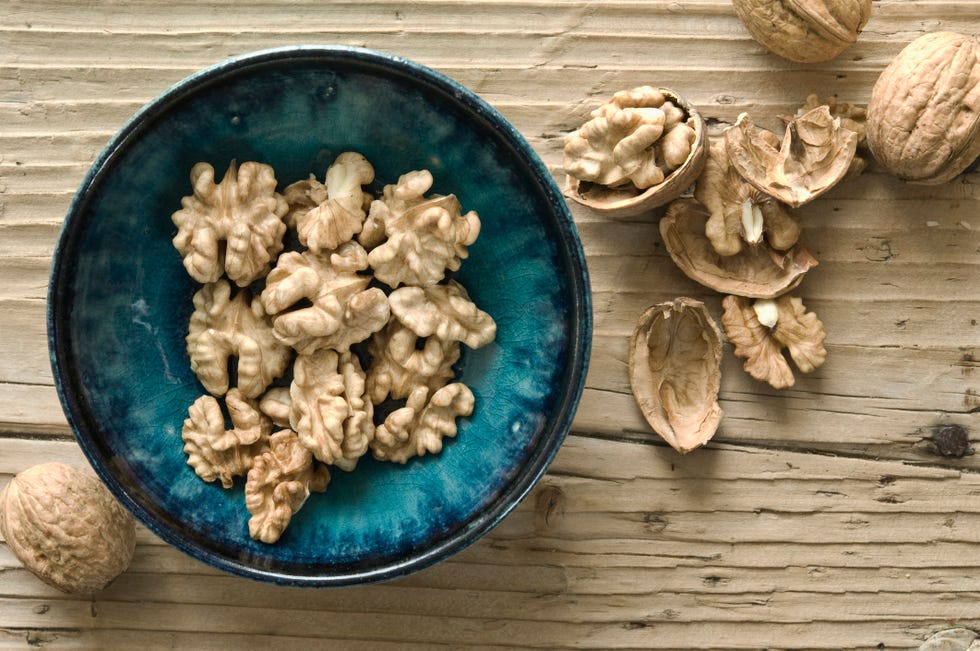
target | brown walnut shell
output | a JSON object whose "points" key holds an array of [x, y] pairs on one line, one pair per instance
{"points": [[628, 201], [675, 372], [66, 527], [814, 155], [805, 31], [757, 271], [924, 113]]}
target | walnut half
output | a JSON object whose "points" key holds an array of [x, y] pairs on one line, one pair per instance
{"points": [[423, 236], [279, 483], [741, 214], [232, 227], [225, 327], [760, 331], [419, 427], [328, 214], [343, 310], [219, 454]]}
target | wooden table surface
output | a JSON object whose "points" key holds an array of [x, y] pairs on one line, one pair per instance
{"points": [[818, 517]]}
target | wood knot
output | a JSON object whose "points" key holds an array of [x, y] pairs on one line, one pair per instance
{"points": [[950, 441], [549, 506], [878, 249]]}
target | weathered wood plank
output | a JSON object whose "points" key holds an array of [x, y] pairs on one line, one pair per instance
{"points": [[52, 83], [106, 639], [31, 409], [24, 277], [664, 635]]}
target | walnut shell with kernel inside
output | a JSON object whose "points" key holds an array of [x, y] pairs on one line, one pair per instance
{"points": [[66, 527], [640, 150], [924, 114]]}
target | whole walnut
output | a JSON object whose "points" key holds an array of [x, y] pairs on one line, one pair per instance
{"points": [[806, 31], [924, 113], [66, 527]]}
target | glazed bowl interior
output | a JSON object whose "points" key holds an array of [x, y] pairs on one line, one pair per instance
{"points": [[120, 301]]}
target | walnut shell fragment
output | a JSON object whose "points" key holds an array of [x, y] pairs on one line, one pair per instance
{"points": [[758, 271], [805, 31], [924, 112], [675, 372], [852, 117], [66, 528], [638, 151], [760, 330], [814, 155]]}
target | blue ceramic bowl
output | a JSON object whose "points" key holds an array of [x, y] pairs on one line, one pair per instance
{"points": [[119, 303]]}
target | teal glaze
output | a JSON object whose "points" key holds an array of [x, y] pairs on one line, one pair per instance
{"points": [[119, 302]]}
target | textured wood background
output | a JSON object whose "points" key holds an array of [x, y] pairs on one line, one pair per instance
{"points": [[817, 518]]}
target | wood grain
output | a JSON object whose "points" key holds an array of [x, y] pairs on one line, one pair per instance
{"points": [[817, 518]]}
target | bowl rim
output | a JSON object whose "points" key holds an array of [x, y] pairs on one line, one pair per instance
{"points": [[570, 248]]}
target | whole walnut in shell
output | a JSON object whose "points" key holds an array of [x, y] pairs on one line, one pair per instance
{"points": [[806, 31], [924, 113], [66, 527]]}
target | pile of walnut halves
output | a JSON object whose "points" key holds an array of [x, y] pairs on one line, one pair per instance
{"points": [[738, 235], [297, 397]]}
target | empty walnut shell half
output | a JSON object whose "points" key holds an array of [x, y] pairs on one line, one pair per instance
{"points": [[924, 114], [814, 155], [625, 199], [806, 31], [675, 372], [756, 271]]}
